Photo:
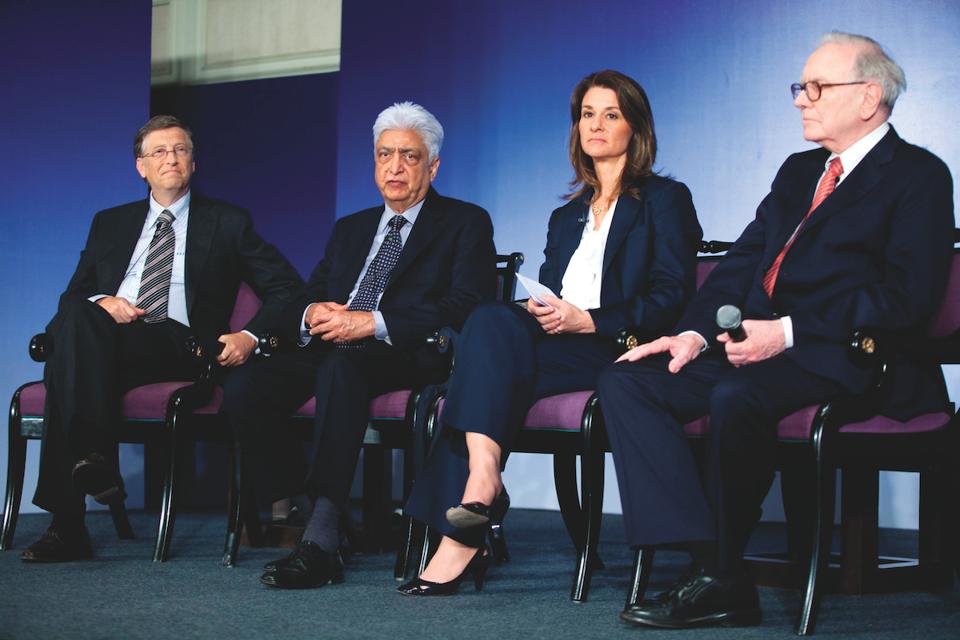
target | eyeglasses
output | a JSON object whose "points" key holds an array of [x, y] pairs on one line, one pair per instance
{"points": [[814, 88], [180, 151]]}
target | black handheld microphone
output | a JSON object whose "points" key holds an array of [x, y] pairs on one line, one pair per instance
{"points": [[728, 319]]}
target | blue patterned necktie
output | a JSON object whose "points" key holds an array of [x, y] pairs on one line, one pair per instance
{"points": [[375, 279], [157, 270]]}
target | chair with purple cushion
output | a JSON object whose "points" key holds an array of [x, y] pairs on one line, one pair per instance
{"points": [[151, 413], [842, 436], [396, 422]]}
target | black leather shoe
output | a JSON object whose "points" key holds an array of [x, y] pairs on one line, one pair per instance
{"points": [[59, 546], [306, 567], [699, 600], [475, 514], [477, 567], [93, 476]]}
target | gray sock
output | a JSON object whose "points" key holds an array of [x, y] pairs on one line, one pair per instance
{"points": [[323, 528]]}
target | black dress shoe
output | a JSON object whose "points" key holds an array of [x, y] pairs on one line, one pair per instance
{"points": [[699, 600], [59, 546], [306, 567], [93, 476], [477, 567], [475, 514]]}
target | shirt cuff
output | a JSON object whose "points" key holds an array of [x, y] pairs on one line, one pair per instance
{"points": [[380, 331], [255, 339], [787, 332], [305, 336], [696, 333], [97, 297]]}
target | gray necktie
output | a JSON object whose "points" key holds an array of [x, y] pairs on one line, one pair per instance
{"points": [[157, 270]]}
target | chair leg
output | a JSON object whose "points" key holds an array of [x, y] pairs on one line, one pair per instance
{"points": [[427, 549], [642, 568], [405, 549], [16, 461], [118, 510], [820, 548], [234, 523], [565, 480], [591, 492], [171, 447]]}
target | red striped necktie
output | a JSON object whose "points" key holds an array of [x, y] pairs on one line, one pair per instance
{"points": [[827, 184]]}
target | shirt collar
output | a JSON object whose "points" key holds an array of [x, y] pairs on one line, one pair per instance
{"points": [[410, 214], [178, 208], [856, 152]]}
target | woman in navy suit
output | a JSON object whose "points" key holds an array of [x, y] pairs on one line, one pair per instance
{"points": [[621, 253]]}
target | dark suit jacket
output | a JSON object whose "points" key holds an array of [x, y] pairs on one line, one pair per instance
{"points": [[222, 250], [876, 253], [649, 262], [446, 267]]}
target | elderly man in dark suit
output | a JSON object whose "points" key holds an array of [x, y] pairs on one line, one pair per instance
{"points": [[390, 275], [855, 233], [153, 274]]}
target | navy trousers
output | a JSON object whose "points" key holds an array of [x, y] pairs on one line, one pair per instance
{"points": [[664, 498], [92, 362], [504, 363], [260, 396]]}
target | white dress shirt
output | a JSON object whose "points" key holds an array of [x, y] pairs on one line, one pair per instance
{"points": [[581, 280]]}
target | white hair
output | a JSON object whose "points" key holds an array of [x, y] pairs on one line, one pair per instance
{"points": [[408, 116], [873, 63]]}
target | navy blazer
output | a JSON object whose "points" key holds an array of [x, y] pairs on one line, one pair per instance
{"points": [[875, 253], [446, 267], [649, 261], [222, 250]]}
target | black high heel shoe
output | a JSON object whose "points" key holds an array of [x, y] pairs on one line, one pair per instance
{"points": [[477, 567], [475, 514]]}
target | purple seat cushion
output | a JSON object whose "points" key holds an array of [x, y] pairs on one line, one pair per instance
{"points": [[148, 402], [560, 412], [799, 425], [386, 406]]}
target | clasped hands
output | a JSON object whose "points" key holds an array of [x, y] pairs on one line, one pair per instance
{"points": [[237, 347], [765, 339], [336, 323], [560, 316]]}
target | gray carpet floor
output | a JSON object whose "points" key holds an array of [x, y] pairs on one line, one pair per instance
{"points": [[122, 594]]}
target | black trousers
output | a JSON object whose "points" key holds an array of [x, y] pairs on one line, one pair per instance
{"points": [[644, 408], [92, 362], [260, 396], [504, 363]]}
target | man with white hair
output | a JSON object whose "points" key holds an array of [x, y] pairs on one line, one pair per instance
{"points": [[856, 233], [391, 275]]}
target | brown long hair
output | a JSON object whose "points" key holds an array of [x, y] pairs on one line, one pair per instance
{"points": [[642, 148]]}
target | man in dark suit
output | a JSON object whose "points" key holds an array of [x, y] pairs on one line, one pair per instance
{"points": [[153, 274], [390, 275], [856, 233]]}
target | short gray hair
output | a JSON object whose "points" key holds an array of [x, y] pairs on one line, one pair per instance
{"points": [[873, 63], [408, 116]]}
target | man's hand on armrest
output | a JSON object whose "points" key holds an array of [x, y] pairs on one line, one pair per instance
{"points": [[237, 348]]}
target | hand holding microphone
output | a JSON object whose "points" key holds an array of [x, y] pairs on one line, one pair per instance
{"points": [[749, 341]]}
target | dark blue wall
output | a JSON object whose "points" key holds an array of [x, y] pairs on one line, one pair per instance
{"points": [[269, 146], [75, 87]]}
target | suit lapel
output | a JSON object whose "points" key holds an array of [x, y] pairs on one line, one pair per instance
{"points": [[865, 176], [430, 222], [570, 238], [358, 248], [201, 227], [624, 219], [128, 232]]}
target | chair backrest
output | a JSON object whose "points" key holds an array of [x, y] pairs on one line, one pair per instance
{"points": [[709, 258], [507, 268], [947, 319], [244, 308]]}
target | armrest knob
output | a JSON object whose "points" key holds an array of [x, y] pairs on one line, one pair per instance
{"points": [[40, 346]]}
